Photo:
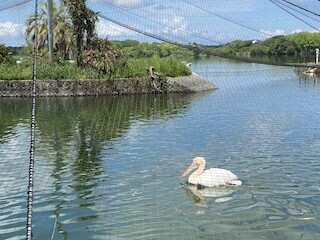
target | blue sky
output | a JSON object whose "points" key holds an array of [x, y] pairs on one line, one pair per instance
{"points": [[202, 21]]}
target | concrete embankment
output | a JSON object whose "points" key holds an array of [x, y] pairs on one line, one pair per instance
{"points": [[22, 88]]}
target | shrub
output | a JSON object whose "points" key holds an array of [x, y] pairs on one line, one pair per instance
{"points": [[5, 54], [167, 67]]}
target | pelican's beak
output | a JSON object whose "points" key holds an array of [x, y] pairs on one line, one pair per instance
{"points": [[189, 169]]}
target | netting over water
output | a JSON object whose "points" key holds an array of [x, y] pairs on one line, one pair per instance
{"points": [[108, 167]]}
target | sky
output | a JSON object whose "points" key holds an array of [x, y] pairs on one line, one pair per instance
{"points": [[208, 22]]}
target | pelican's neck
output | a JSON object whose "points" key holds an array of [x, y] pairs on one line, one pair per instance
{"points": [[193, 177]]}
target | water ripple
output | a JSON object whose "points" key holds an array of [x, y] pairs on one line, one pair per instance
{"points": [[108, 167]]}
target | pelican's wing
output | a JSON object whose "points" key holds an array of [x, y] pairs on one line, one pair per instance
{"points": [[217, 177]]}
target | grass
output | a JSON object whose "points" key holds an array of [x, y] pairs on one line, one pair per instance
{"points": [[55, 71], [169, 67]]}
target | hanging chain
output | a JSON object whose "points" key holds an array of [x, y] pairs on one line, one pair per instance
{"points": [[32, 139]]}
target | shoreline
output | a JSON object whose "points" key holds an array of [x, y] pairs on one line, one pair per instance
{"points": [[63, 88]]}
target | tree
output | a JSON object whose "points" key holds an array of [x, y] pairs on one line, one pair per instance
{"points": [[84, 23], [5, 54], [62, 30], [103, 56]]}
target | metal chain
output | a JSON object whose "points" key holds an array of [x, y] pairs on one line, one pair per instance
{"points": [[32, 140]]}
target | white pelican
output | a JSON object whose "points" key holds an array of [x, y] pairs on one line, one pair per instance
{"points": [[209, 178]]}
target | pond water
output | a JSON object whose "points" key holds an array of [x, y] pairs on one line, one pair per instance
{"points": [[108, 167]]}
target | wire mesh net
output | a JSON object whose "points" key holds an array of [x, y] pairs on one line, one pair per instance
{"points": [[108, 167]]}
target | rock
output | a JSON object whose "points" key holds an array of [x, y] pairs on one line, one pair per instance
{"points": [[192, 83], [46, 88]]}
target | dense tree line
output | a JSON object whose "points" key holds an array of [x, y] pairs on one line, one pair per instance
{"points": [[302, 44], [135, 49]]}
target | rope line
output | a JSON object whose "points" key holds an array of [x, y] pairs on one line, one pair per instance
{"points": [[14, 5], [295, 16], [32, 139], [161, 24]]}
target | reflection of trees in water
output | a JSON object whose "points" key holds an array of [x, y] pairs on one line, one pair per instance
{"points": [[12, 112], [103, 118], [71, 133], [86, 123], [75, 130]]}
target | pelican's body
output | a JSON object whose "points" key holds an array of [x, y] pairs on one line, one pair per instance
{"points": [[209, 178]]}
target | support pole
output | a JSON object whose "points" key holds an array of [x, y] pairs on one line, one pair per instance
{"points": [[50, 31]]}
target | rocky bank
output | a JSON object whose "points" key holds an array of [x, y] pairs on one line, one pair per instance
{"points": [[22, 88]]}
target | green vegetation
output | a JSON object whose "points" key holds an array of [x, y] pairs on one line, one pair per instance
{"points": [[301, 45], [75, 39], [167, 67], [135, 49], [62, 30], [5, 55]]}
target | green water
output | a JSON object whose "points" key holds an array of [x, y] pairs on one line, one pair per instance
{"points": [[108, 167]]}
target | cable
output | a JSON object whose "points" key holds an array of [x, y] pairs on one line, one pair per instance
{"points": [[15, 5], [293, 15], [150, 20], [32, 139], [132, 8], [140, 31], [226, 19], [304, 9], [304, 14]]}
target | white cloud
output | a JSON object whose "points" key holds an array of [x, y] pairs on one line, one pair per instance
{"points": [[127, 3], [172, 26], [108, 29], [10, 29], [297, 30], [300, 30], [274, 33], [175, 25]]}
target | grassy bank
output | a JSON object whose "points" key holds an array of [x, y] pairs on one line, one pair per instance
{"points": [[170, 67]]}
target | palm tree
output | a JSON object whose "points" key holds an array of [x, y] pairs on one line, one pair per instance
{"points": [[62, 30], [84, 22]]}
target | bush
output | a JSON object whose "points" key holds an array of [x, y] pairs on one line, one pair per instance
{"points": [[168, 67], [5, 55]]}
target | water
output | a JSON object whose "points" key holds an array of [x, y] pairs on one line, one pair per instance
{"points": [[108, 167]]}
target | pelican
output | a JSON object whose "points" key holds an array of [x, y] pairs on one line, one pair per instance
{"points": [[209, 178]]}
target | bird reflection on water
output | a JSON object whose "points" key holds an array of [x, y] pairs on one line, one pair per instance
{"points": [[199, 194]]}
